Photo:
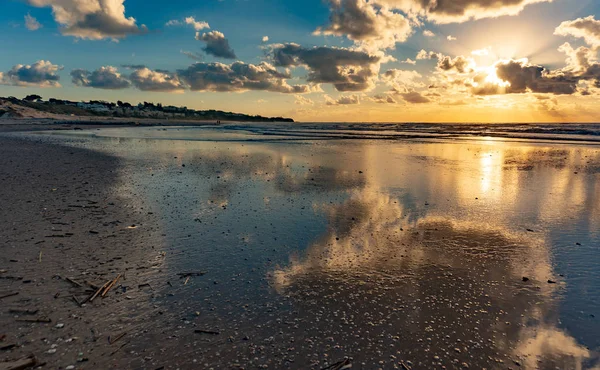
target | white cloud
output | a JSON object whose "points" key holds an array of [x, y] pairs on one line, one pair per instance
{"points": [[428, 33], [371, 25], [92, 19], [146, 79], [265, 39], [482, 52], [301, 100], [451, 38], [198, 25], [587, 28], [31, 23]]}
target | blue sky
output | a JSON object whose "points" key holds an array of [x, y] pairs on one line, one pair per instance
{"points": [[417, 91]]}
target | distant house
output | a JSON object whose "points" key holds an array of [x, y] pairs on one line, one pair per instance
{"points": [[95, 107]]}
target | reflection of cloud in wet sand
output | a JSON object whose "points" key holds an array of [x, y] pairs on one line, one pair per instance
{"points": [[461, 279], [229, 168]]}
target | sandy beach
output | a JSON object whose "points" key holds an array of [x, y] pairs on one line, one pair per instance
{"points": [[65, 234], [229, 248]]}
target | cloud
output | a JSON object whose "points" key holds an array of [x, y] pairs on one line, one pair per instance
{"points": [[408, 61], [40, 74], [198, 25], [521, 77], [452, 11], [31, 23], [106, 77], [482, 52], [301, 100], [415, 97], [92, 19], [428, 33], [133, 66], [423, 55], [342, 100], [459, 64], [524, 77], [192, 55], [374, 26], [578, 60], [146, 79], [451, 38], [346, 69], [384, 99], [402, 80], [587, 28], [265, 39], [238, 77], [216, 45]]}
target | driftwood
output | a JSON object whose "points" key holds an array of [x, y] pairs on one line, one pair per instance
{"points": [[39, 319], [112, 341], [73, 282], [8, 295], [118, 349], [188, 274], [99, 290], [112, 284], [404, 366], [211, 332], [344, 364]]}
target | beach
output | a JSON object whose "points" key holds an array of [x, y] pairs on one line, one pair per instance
{"points": [[294, 246]]}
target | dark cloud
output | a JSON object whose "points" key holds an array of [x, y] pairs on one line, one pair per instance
{"points": [[216, 45], [347, 70], [522, 77], [449, 11], [146, 79], [103, 78], [414, 97], [92, 19], [365, 22], [525, 77], [133, 66], [40, 74], [238, 76], [459, 64]]}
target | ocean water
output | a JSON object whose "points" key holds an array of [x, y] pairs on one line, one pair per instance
{"points": [[422, 245]]}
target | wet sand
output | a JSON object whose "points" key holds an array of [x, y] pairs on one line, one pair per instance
{"points": [[382, 254], [60, 221]]}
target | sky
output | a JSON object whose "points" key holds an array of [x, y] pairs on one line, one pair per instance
{"points": [[313, 60]]}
